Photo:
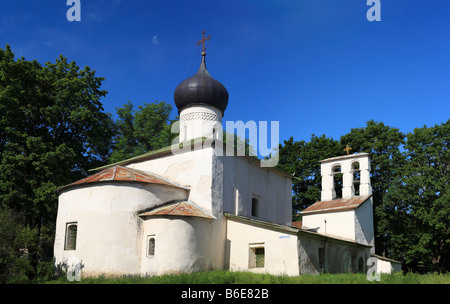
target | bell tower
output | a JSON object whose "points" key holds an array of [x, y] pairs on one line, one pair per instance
{"points": [[345, 176], [346, 206]]}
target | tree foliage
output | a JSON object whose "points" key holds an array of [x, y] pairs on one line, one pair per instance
{"points": [[15, 240], [52, 130], [384, 145], [143, 130], [415, 214], [301, 160]]}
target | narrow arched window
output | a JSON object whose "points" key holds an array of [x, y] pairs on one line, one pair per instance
{"points": [[151, 246], [356, 178], [71, 236], [337, 182]]}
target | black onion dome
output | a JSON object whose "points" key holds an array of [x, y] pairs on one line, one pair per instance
{"points": [[201, 89]]}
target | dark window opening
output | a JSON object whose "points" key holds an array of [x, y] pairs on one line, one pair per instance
{"points": [[337, 182], [255, 207], [337, 185], [356, 178]]}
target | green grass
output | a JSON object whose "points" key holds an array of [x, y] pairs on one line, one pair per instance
{"points": [[227, 277]]}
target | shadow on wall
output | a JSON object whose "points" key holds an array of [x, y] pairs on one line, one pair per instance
{"points": [[71, 268]]}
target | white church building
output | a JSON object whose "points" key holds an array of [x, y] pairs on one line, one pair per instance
{"points": [[192, 209]]}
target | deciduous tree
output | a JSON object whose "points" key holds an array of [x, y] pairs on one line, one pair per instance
{"points": [[143, 130], [301, 159], [416, 209], [384, 145], [52, 130]]}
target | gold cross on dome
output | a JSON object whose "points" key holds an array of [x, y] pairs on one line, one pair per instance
{"points": [[204, 39], [347, 149]]}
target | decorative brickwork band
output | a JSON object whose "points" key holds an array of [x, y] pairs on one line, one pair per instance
{"points": [[199, 116]]}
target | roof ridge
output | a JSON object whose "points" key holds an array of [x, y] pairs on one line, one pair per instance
{"points": [[115, 172], [172, 208], [119, 173], [175, 206]]}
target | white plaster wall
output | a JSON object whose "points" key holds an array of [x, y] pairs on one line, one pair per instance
{"points": [[339, 223], [364, 224], [383, 266], [109, 235], [192, 169], [182, 244], [195, 169], [280, 248], [244, 180], [387, 267]]}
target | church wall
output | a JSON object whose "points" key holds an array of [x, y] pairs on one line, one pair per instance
{"points": [[182, 244], [192, 169], [364, 224], [108, 229], [195, 169], [319, 254], [244, 180], [280, 248], [339, 223], [218, 229]]}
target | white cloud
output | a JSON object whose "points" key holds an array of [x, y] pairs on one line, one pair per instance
{"points": [[155, 39]]}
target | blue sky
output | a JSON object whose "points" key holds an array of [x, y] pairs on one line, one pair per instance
{"points": [[316, 66]]}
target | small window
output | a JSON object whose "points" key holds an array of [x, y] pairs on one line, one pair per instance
{"points": [[256, 257], [255, 207], [151, 246], [71, 236]]}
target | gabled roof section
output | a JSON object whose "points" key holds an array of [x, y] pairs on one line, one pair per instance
{"points": [[179, 208], [336, 205], [125, 174]]}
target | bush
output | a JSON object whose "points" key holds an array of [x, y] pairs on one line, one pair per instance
{"points": [[15, 241]]}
